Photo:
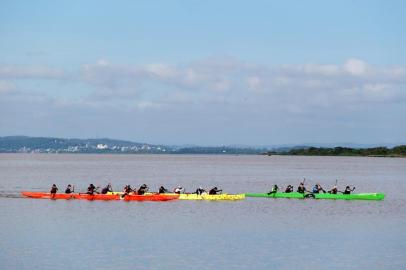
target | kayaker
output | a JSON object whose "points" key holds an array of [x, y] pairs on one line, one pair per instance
{"points": [[200, 191], [348, 190], [289, 189], [179, 190], [127, 189], [301, 188], [334, 190], [215, 191], [162, 190], [143, 188], [54, 189], [317, 188], [91, 189], [69, 189], [273, 190], [106, 189]]}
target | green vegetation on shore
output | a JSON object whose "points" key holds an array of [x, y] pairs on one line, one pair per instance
{"points": [[398, 151]]}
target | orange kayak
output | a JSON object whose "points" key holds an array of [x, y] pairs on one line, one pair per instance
{"points": [[103, 197]]}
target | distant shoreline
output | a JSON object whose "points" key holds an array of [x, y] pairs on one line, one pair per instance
{"points": [[25, 144], [397, 151]]}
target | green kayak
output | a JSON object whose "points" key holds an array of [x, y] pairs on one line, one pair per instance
{"points": [[297, 195]]}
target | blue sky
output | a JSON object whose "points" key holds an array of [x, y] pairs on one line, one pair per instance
{"points": [[204, 72]]}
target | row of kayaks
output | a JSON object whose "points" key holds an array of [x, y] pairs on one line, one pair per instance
{"points": [[115, 196]]}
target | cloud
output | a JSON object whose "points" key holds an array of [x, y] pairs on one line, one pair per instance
{"points": [[212, 93], [356, 67], [38, 72]]}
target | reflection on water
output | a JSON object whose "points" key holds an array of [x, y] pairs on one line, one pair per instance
{"points": [[252, 234]]}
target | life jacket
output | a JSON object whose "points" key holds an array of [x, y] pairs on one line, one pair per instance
{"points": [[68, 191], [301, 189], [315, 189], [54, 190]]}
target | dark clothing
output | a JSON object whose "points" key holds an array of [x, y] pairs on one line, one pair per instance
{"points": [[54, 189], [106, 189], [214, 191], [91, 189], [143, 189], [301, 189], [348, 190], [68, 190], [200, 191], [274, 190], [162, 190], [289, 189], [127, 189], [333, 191]]}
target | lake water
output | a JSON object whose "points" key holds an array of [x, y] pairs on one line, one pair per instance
{"points": [[251, 234]]}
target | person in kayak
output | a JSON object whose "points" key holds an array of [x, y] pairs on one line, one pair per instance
{"points": [[200, 191], [348, 190], [54, 189], [162, 190], [301, 188], [106, 189], [69, 189], [91, 189], [317, 188], [127, 189], [179, 190], [143, 188], [334, 190], [273, 190], [289, 189], [215, 191]]}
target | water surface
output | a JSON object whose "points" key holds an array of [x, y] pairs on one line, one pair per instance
{"points": [[252, 234]]}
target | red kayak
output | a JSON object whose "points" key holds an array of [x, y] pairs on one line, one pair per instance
{"points": [[63, 196], [102, 197], [47, 195]]}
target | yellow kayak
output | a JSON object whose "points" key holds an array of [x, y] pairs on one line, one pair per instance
{"points": [[204, 196], [219, 197]]}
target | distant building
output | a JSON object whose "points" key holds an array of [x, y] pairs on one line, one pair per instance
{"points": [[101, 146]]}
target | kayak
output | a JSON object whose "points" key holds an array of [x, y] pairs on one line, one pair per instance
{"points": [[219, 197], [297, 195], [151, 197], [63, 196], [45, 195], [102, 197], [192, 196]]}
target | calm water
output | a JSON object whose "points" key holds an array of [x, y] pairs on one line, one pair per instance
{"points": [[252, 234]]}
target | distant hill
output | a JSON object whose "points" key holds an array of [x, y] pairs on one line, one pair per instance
{"points": [[14, 144], [25, 144]]}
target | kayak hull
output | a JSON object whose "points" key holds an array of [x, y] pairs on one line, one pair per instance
{"points": [[326, 196], [99, 197], [219, 197], [191, 196], [151, 197]]}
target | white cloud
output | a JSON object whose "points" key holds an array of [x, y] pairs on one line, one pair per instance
{"points": [[356, 67]]}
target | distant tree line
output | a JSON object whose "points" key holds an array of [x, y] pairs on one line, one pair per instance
{"points": [[398, 151]]}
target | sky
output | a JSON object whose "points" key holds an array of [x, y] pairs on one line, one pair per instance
{"points": [[205, 72]]}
